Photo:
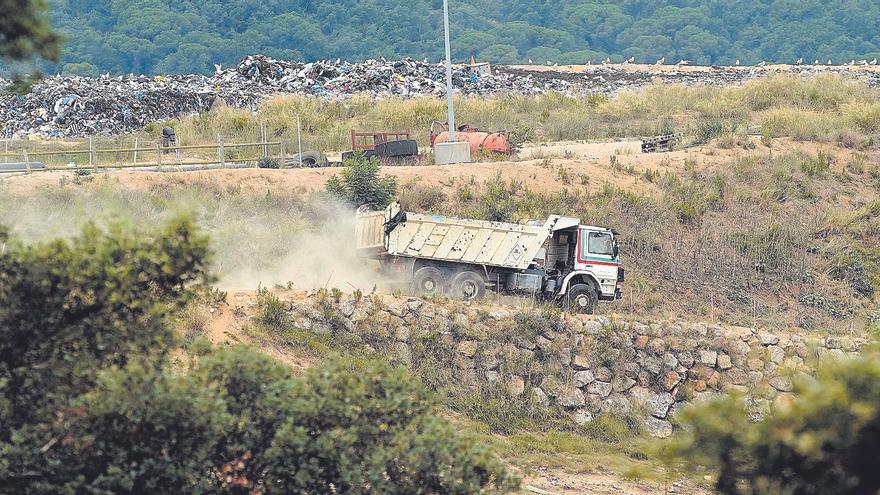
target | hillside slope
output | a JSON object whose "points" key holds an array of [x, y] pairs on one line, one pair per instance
{"points": [[160, 36]]}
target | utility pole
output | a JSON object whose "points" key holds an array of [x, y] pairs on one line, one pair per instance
{"points": [[449, 104]]}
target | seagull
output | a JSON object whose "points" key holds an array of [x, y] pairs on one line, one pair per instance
{"points": [[874, 62], [737, 62], [606, 61], [549, 63], [762, 64], [852, 62], [683, 62], [556, 64], [816, 62], [863, 62], [800, 61], [829, 62], [218, 68], [661, 61], [530, 62], [590, 62], [630, 60]]}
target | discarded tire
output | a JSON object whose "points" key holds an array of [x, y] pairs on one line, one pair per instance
{"points": [[309, 159]]}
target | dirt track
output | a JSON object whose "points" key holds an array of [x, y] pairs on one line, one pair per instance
{"points": [[548, 167]]}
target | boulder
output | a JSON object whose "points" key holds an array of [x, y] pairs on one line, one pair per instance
{"points": [[580, 361], [658, 428], [604, 374], [583, 378], [767, 338], [724, 362], [572, 398], [709, 358], [658, 405], [776, 354], [467, 348], [602, 389], [670, 380], [582, 416], [397, 308], [622, 383], [781, 383], [685, 359], [516, 386]]}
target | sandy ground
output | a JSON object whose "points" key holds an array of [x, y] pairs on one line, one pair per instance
{"points": [[577, 166]]}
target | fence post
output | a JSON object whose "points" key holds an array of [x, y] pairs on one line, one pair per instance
{"points": [[135, 150], [6, 151], [221, 153], [158, 157], [91, 153], [299, 139], [27, 162]]}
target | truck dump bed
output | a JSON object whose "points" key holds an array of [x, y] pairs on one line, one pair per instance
{"points": [[455, 240]]}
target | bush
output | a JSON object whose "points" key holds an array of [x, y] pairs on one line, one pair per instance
{"points": [[91, 403], [360, 184], [268, 162], [825, 441]]}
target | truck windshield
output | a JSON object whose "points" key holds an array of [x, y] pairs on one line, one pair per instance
{"points": [[601, 243]]}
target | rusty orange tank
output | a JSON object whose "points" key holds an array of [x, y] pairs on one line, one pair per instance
{"points": [[495, 142]]}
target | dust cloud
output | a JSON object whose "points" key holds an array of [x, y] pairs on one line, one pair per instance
{"points": [[322, 255], [304, 242]]}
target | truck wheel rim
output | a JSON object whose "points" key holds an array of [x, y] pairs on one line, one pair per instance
{"points": [[583, 302], [429, 285], [469, 290]]}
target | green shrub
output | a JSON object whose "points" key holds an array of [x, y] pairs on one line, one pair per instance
{"points": [[268, 162], [359, 184], [271, 311], [824, 441]]}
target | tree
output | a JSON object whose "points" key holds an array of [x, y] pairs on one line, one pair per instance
{"points": [[91, 403], [359, 184], [25, 31], [826, 441], [71, 308]]}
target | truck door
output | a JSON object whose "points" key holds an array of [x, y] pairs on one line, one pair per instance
{"points": [[597, 254]]}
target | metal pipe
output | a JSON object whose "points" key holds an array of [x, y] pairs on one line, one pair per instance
{"points": [[449, 101]]}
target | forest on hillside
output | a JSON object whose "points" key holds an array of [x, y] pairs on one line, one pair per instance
{"points": [[184, 36]]}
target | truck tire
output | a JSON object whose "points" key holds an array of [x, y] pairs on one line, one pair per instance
{"points": [[467, 286], [581, 299], [429, 281]]}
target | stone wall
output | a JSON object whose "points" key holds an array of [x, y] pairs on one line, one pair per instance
{"points": [[583, 365]]}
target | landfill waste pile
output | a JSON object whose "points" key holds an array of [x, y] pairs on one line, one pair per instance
{"points": [[73, 106]]}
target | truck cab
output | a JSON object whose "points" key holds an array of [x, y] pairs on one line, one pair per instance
{"points": [[583, 265]]}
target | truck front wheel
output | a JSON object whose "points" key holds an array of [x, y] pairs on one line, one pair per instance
{"points": [[429, 281], [581, 299], [468, 286]]}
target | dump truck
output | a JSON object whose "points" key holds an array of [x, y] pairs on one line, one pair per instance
{"points": [[559, 260]]}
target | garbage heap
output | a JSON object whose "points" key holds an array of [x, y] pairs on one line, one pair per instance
{"points": [[73, 106]]}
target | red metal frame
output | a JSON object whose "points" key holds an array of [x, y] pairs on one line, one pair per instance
{"points": [[364, 141]]}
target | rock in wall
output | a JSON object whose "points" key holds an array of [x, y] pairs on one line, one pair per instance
{"points": [[582, 365]]}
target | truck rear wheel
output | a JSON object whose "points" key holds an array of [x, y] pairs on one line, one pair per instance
{"points": [[581, 299], [429, 281], [468, 286]]}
